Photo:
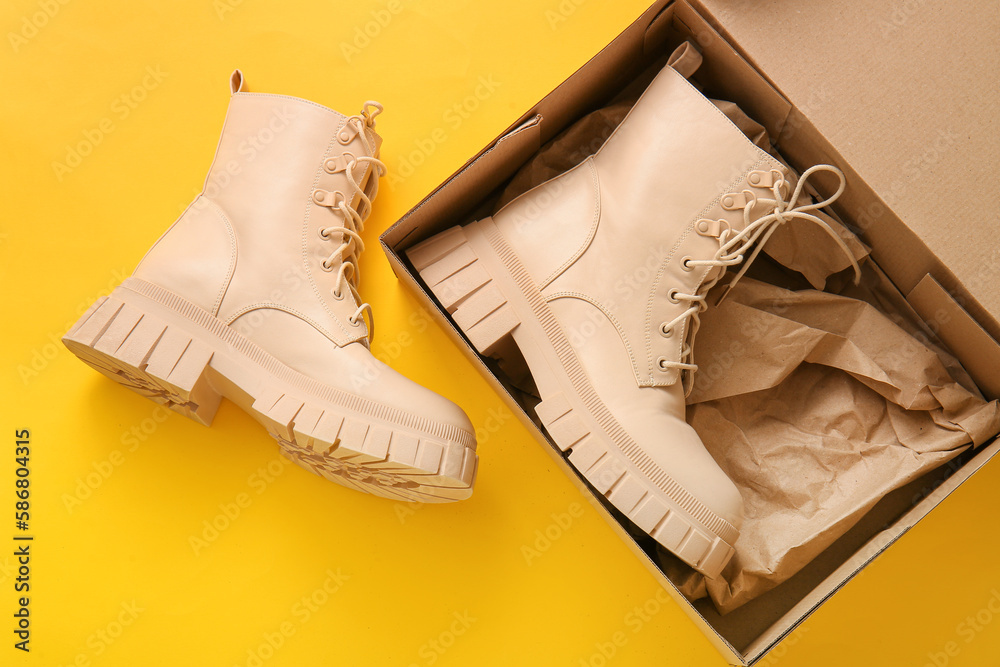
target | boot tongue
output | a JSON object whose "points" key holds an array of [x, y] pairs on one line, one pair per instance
{"points": [[374, 139]]}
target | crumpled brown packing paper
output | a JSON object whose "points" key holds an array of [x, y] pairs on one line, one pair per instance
{"points": [[815, 404]]}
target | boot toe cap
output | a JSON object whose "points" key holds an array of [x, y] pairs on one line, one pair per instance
{"points": [[353, 369]]}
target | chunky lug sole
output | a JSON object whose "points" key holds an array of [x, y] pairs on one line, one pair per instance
{"points": [[180, 356], [476, 276]]}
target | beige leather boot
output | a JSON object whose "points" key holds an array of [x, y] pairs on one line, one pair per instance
{"points": [[252, 295], [599, 276]]}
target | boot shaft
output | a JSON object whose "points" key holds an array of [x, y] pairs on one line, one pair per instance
{"points": [[619, 229], [252, 240], [273, 152], [670, 160]]}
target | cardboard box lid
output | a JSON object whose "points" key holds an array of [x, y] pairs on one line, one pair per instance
{"points": [[907, 94]]}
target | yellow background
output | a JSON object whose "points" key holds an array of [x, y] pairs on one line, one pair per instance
{"points": [[123, 552]]}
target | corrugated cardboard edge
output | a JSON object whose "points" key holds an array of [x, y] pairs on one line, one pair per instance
{"points": [[512, 147], [865, 555], [963, 335]]}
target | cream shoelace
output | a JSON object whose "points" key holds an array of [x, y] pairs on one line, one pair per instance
{"points": [[734, 245], [351, 245]]}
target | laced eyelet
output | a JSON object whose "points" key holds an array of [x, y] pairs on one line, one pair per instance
{"points": [[685, 265], [342, 162], [323, 235], [666, 331], [326, 267], [346, 134], [354, 322], [763, 179], [712, 228], [661, 364], [672, 296], [329, 198], [737, 200], [334, 198], [338, 295]]}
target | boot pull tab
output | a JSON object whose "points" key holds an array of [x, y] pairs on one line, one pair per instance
{"points": [[237, 82], [369, 110], [685, 60]]}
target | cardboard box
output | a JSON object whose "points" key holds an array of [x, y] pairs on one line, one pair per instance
{"points": [[916, 190]]}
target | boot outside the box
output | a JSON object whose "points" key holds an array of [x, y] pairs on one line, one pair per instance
{"points": [[252, 295]]}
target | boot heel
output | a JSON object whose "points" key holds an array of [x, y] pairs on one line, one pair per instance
{"points": [[147, 355], [462, 283]]}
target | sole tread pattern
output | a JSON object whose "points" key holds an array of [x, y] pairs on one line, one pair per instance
{"points": [[450, 267], [170, 366]]}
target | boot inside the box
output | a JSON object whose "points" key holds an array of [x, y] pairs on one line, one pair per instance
{"points": [[745, 625]]}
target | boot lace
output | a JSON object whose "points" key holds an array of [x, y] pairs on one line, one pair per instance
{"points": [[351, 245], [732, 247]]}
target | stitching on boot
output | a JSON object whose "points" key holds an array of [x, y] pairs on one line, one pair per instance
{"points": [[260, 305], [591, 234], [310, 207], [293, 98], [614, 320], [678, 347], [233, 255]]}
